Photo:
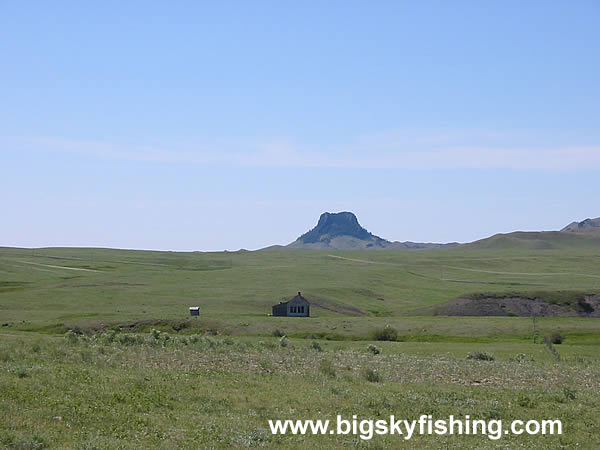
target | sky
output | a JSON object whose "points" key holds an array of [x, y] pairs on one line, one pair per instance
{"points": [[192, 125]]}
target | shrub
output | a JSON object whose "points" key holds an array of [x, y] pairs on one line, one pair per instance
{"points": [[326, 368], [179, 326], [127, 339], [22, 373], [72, 337], [522, 357], [525, 401], [283, 342], [570, 394], [110, 336], [316, 346], [385, 334], [481, 356], [372, 375], [278, 333], [373, 349], [492, 414], [556, 338], [155, 334], [210, 342], [584, 306]]}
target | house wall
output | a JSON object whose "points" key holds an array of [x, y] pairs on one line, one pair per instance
{"points": [[299, 304], [280, 310]]}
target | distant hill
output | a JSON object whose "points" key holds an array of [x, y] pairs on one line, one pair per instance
{"points": [[341, 231], [538, 240], [584, 225]]}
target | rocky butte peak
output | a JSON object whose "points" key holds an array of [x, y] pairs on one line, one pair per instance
{"points": [[332, 225], [341, 231], [584, 225]]}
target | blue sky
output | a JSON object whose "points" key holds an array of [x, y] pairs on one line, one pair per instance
{"points": [[226, 125]]}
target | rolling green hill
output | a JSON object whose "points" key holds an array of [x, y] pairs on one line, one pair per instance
{"points": [[351, 292], [539, 240], [132, 369]]}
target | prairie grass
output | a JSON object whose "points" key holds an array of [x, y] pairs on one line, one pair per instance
{"points": [[202, 391]]}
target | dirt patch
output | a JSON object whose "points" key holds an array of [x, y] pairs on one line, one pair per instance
{"points": [[330, 305], [588, 306]]}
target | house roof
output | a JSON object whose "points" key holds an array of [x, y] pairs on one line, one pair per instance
{"points": [[296, 298], [299, 297]]}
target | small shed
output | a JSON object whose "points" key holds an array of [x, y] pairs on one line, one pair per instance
{"points": [[296, 307], [194, 310]]}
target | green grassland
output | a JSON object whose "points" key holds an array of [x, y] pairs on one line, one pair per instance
{"points": [[352, 292], [139, 391], [216, 380]]}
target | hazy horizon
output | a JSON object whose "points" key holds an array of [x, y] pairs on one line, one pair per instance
{"points": [[226, 126]]}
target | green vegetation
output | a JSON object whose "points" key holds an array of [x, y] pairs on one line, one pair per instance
{"points": [[158, 390], [385, 334], [97, 348], [481, 356], [351, 293]]}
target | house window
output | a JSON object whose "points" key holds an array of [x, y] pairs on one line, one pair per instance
{"points": [[302, 309]]}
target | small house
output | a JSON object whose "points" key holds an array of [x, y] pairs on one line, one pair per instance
{"points": [[296, 307]]}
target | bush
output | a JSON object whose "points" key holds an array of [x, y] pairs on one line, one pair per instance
{"points": [[556, 338], [326, 368], [127, 339], [110, 336], [316, 346], [283, 342], [372, 376], [521, 357], [385, 334], [278, 333], [72, 337], [373, 349], [481, 356], [570, 394], [180, 326], [524, 401]]}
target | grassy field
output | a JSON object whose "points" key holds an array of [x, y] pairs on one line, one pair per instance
{"points": [[216, 380]]}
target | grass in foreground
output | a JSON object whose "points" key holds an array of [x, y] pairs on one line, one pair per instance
{"points": [[156, 390]]}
